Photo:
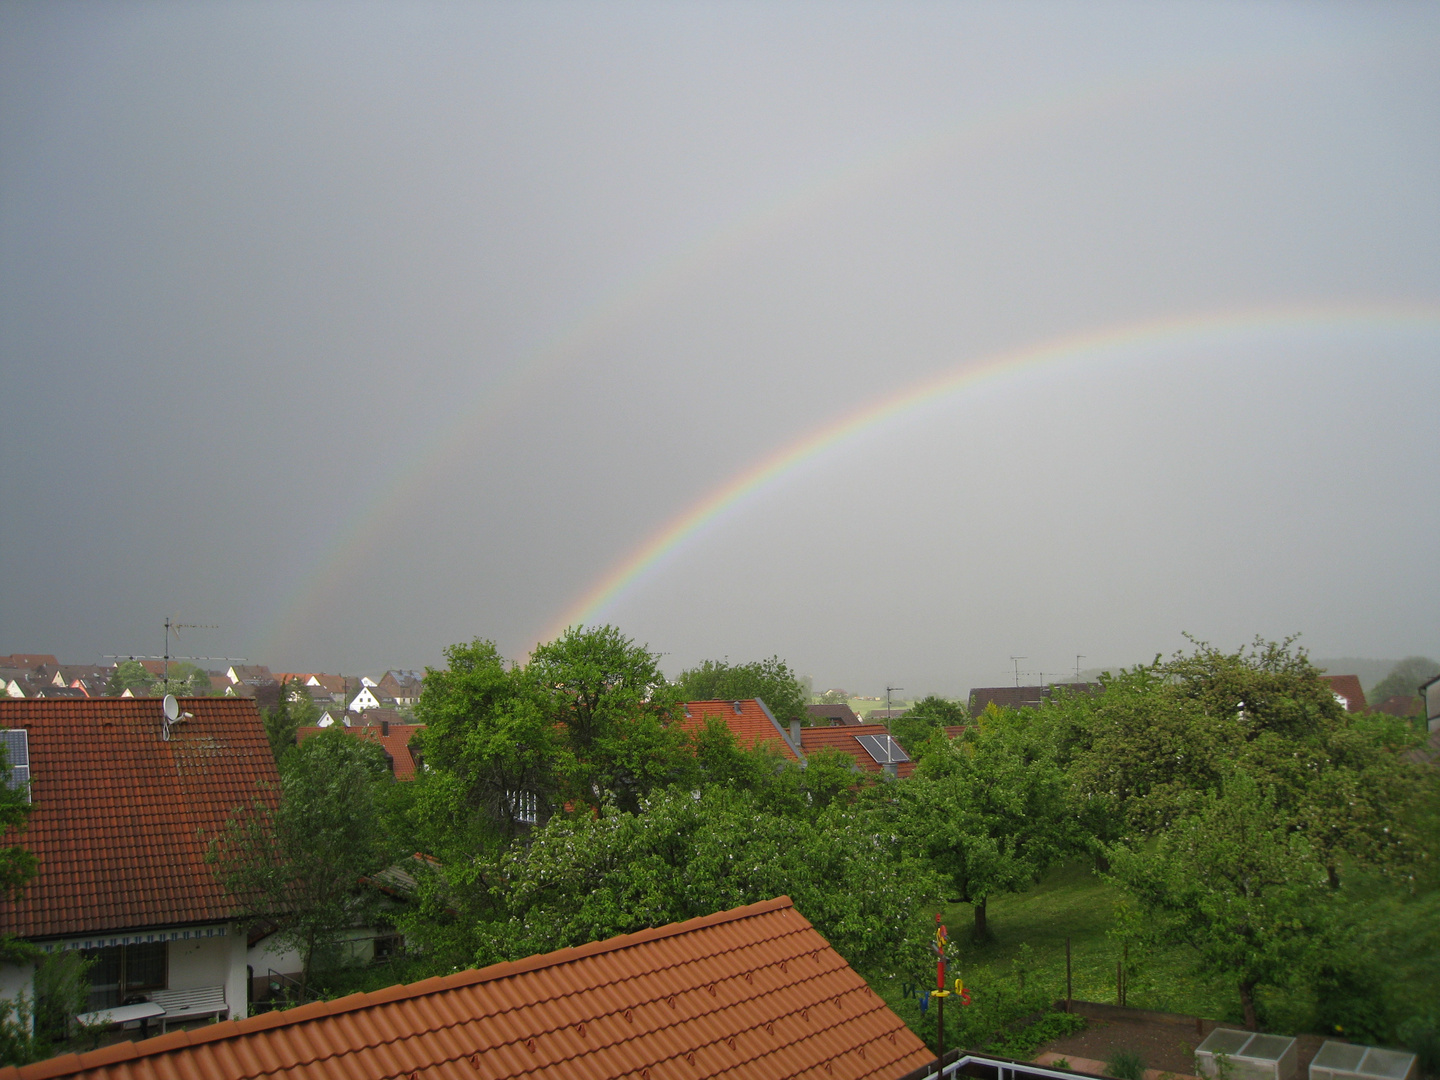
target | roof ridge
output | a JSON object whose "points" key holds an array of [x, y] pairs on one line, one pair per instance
{"points": [[228, 1028]]}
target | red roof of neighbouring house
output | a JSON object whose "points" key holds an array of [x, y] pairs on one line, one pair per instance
{"points": [[846, 740], [28, 660], [395, 741], [750, 994], [1348, 689], [749, 719], [117, 811], [1402, 705]]}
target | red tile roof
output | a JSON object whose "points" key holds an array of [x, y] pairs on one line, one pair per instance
{"points": [[1349, 690], [750, 994], [117, 810], [396, 743], [753, 724], [843, 739], [1401, 705]]}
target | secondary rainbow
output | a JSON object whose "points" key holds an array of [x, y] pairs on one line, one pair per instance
{"points": [[329, 566], [1107, 342]]}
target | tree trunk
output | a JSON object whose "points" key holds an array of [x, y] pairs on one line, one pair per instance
{"points": [[981, 930], [1334, 876], [1247, 1001]]}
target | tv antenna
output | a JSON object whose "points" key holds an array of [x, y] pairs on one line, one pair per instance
{"points": [[1078, 658], [888, 743], [176, 627], [1016, 661]]}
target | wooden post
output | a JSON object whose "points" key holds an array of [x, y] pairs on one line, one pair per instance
{"points": [[1124, 973], [1069, 988], [1119, 986]]}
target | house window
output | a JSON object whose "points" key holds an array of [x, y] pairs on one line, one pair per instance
{"points": [[526, 807], [120, 972], [389, 947]]}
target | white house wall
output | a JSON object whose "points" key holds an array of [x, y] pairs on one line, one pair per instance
{"points": [[16, 979], [218, 961]]}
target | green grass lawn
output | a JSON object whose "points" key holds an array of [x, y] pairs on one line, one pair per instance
{"points": [[1029, 932], [1025, 956]]}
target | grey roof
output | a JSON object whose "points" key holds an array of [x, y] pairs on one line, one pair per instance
{"points": [[834, 715], [1021, 697]]}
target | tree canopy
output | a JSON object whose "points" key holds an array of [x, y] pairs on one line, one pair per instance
{"points": [[296, 860], [1405, 678], [772, 681]]}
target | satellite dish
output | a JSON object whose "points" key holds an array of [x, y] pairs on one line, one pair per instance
{"points": [[172, 708]]}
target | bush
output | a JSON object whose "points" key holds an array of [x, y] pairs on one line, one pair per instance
{"points": [[1126, 1065], [1421, 1035], [1022, 1044]]}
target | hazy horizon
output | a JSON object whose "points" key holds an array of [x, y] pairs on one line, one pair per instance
{"points": [[896, 340]]}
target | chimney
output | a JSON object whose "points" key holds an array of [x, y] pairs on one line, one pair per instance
{"points": [[795, 733]]}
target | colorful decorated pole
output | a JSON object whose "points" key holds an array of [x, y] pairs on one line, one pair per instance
{"points": [[940, 991]]}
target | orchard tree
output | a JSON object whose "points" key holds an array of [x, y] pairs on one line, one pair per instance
{"points": [[1157, 734], [772, 681], [989, 809], [1233, 881]]}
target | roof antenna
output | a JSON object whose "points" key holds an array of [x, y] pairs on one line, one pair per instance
{"points": [[166, 657], [888, 756], [1016, 660]]}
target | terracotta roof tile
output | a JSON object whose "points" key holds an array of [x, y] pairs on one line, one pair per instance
{"points": [[118, 811], [749, 994], [844, 740], [753, 724]]}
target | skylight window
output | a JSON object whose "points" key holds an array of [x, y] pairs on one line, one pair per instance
{"points": [[17, 757]]}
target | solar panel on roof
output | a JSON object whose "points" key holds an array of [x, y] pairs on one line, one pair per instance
{"points": [[17, 756], [882, 748]]}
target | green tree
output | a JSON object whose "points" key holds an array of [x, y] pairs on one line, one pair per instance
{"points": [[618, 715], [490, 746], [835, 697], [295, 709], [297, 861], [770, 680], [1405, 678], [185, 680], [1159, 733], [989, 810], [924, 719], [17, 866], [129, 675], [1231, 880], [686, 854]]}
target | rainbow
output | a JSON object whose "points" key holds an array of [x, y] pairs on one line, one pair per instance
{"points": [[731, 497], [329, 566]]}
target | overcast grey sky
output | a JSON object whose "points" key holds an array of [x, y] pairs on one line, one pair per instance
{"points": [[357, 330]]}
